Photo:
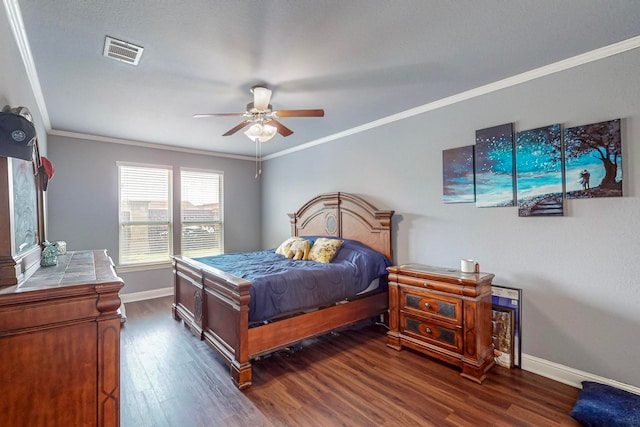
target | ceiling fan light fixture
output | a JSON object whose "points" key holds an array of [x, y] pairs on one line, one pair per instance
{"points": [[261, 132], [269, 131]]}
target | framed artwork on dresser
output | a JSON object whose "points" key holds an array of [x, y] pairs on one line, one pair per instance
{"points": [[21, 197], [25, 205], [21, 217]]}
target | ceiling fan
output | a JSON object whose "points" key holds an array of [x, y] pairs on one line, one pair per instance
{"points": [[262, 118]]}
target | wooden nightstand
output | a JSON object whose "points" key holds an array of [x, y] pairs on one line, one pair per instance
{"points": [[443, 313]]}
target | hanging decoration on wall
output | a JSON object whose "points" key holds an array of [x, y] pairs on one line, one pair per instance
{"points": [[593, 160], [17, 133], [539, 172], [458, 182], [495, 185], [540, 167]]}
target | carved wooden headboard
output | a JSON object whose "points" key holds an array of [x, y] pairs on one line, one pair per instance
{"points": [[346, 216]]}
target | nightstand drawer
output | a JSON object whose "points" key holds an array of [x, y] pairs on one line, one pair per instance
{"points": [[445, 336], [435, 306]]}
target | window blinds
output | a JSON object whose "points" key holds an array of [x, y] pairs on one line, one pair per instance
{"points": [[201, 213], [145, 214]]}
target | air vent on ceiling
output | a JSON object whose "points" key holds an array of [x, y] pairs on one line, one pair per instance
{"points": [[122, 51]]}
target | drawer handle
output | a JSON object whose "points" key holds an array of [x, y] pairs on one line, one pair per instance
{"points": [[428, 330], [428, 306]]}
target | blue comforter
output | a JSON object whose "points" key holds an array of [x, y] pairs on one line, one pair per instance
{"points": [[281, 285]]}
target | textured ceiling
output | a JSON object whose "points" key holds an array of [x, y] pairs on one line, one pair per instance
{"points": [[360, 60]]}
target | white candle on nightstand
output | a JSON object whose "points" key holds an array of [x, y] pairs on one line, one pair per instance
{"points": [[468, 265]]}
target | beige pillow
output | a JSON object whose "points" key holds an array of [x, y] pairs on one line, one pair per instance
{"points": [[283, 249], [323, 250], [299, 250]]}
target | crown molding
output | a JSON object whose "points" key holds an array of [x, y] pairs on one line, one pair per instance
{"points": [[98, 138], [556, 67], [17, 27]]}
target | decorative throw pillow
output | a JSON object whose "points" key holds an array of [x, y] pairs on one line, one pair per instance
{"points": [[299, 250], [283, 249], [323, 250]]}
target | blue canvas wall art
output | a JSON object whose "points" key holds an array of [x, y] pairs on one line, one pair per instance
{"points": [[494, 166], [593, 160], [539, 172], [458, 183]]}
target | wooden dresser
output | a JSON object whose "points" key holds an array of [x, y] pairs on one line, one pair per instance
{"points": [[60, 345], [443, 313]]}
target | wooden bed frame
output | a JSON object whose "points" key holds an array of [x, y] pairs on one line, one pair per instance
{"points": [[215, 305]]}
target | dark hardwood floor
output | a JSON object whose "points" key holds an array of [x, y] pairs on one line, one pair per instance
{"points": [[350, 378]]}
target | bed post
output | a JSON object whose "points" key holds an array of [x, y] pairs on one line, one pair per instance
{"points": [[241, 372], [292, 220]]}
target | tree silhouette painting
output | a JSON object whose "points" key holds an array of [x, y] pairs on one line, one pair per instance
{"points": [[539, 172], [494, 166], [458, 183], [593, 160]]}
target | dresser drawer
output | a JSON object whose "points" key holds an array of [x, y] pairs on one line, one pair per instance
{"points": [[440, 307], [442, 335]]}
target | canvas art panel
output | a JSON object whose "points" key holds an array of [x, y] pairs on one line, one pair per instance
{"points": [[539, 172], [494, 166], [458, 181], [593, 160]]}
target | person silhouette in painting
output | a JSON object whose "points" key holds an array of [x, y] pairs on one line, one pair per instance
{"points": [[584, 179]]}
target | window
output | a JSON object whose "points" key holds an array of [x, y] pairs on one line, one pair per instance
{"points": [[201, 227], [145, 214]]}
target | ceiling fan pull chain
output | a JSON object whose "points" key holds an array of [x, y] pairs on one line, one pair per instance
{"points": [[257, 142], [259, 157]]}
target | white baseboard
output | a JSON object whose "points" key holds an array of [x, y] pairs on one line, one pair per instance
{"points": [[144, 295], [567, 375]]}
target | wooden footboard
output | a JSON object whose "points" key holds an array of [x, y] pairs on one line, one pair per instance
{"points": [[215, 304]]}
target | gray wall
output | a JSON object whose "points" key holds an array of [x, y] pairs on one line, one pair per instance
{"points": [[83, 198], [579, 273]]}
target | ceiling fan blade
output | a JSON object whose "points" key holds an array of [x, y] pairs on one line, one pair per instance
{"points": [[199, 116], [237, 128], [299, 113], [282, 129], [261, 98]]}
